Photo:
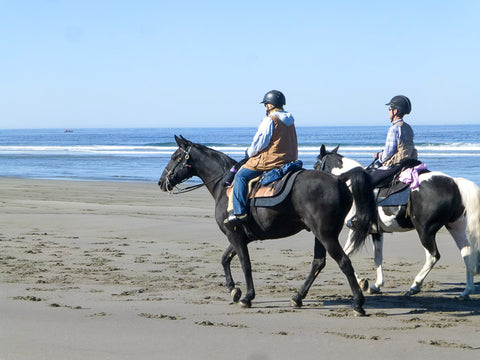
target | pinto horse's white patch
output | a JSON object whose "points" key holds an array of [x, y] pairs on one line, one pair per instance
{"points": [[389, 222], [347, 165]]}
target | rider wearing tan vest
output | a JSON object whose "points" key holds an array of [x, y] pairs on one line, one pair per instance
{"points": [[282, 149], [274, 145]]}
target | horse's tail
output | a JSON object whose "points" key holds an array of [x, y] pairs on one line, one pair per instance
{"points": [[365, 204], [470, 193]]}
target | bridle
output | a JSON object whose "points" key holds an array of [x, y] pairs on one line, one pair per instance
{"points": [[323, 163], [182, 162]]}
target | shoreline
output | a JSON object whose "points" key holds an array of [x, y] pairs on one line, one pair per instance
{"points": [[120, 270], [13, 178]]}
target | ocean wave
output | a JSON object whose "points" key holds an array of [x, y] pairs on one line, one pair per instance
{"points": [[168, 144], [458, 149], [87, 149]]}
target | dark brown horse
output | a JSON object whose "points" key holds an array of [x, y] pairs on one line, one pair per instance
{"points": [[318, 203]]}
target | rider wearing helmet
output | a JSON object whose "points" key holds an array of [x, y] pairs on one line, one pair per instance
{"points": [[274, 145], [399, 146]]}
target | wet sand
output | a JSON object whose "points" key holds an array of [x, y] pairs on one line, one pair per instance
{"points": [[101, 270]]}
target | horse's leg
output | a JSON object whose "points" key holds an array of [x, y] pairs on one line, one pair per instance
{"points": [[377, 240], [458, 231], [336, 252], [348, 248], [227, 257], [318, 263], [239, 243], [427, 238]]}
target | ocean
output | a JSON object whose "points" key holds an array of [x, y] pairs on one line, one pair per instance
{"points": [[140, 155]]}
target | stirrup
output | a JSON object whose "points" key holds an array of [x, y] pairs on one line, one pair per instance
{"points": [[233, 219]]}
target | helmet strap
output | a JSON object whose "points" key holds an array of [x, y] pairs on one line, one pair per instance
{"points": [[267, 110], [395, 115]]}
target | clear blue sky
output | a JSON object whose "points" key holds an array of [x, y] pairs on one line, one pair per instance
{"points": [[140, 63]]}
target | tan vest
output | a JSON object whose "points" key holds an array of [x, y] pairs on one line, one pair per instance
{"points": [[405, 147], [282, 149]]}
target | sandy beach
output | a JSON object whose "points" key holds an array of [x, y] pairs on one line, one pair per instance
{"points": [[102, 270]]}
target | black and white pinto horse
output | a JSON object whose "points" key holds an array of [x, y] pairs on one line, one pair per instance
{"points": [[440, 200], [318, 202]]}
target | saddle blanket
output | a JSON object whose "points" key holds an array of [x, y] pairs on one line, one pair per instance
{"points": [[396, 199], [267, 196]]}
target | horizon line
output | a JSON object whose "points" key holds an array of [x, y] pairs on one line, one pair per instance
{"points": [[217, 127]]}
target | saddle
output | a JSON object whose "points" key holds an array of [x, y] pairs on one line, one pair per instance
{"points": [[397, 193], [267, 195], [393, 191]]}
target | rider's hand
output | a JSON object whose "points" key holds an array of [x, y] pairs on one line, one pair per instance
{"points": [[228, 178], [376, 155]]}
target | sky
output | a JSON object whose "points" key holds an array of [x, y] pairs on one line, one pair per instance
{"points": [[81, 64]]}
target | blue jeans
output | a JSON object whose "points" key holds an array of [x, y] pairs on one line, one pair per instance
{"points": [[240, 189]]}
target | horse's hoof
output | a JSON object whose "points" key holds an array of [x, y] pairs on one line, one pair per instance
{"points": [[358, 311], [363, 284], [412, 292], [246, 304], [464, 298], [296, 303], [374, 290], [236, 295]]}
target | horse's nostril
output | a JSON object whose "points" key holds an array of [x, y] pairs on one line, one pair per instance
{"points": [[162, 184]]}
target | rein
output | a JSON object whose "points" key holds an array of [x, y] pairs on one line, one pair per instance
{"points": [[323, 163], [184, 190], [371, 166]]}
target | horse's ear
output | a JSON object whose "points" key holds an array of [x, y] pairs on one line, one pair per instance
{"points": [[323, 151], [181, 141], [334, 151], [188, 142]]}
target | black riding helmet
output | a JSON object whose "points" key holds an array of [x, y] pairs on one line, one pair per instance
{"points": [[401, 103], [274, 97]]}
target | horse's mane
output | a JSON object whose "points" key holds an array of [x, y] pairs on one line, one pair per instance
{"points": [[219, 157]]}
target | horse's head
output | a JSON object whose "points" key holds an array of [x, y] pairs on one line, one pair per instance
{"points": [[334, 163], [329, 161], [178, 168]]}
